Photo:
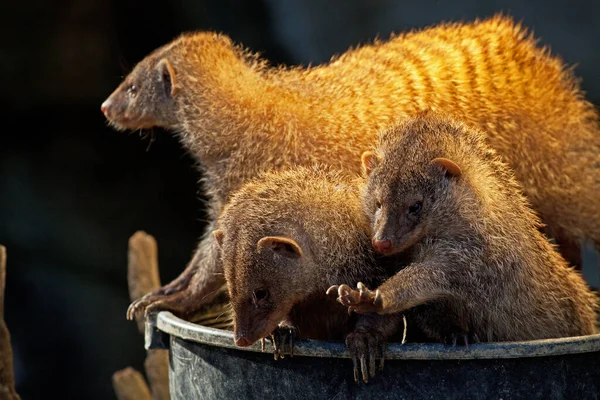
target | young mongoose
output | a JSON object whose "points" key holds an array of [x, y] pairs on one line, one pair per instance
{"points": [[239, 117], [285, 238], [436, 189], [281, 246]]}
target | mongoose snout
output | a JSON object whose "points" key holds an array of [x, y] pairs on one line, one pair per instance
{"points": [[104, 108], [383, 246]]}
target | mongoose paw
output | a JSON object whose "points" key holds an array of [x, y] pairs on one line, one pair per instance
{"points": [[463, 338], [139, 306], [365, 345], [361, 301], [182, 304], [282, 339]]}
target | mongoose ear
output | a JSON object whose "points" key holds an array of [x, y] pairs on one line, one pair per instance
{"points": [[218, 234], [450, 166], [281, 245], [370, 161], [167, 77]]}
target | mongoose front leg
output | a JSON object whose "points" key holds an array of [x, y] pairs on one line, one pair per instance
{"points": [[195, 287], [412, 286], [282, 339], [367, 343]]}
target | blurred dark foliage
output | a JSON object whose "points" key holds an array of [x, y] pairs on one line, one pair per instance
{"points": [[72, 190]]}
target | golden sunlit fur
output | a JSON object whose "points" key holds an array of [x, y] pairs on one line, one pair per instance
{"points": [[239, 117]]}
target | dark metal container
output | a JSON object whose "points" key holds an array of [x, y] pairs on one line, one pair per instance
{"points": [[205, 364]]}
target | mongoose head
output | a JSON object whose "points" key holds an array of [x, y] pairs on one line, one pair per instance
{"points": [[405, 184], [265, 280], [145, 98], [165, 87], [285, 237]]}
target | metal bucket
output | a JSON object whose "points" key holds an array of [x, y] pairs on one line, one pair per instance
{"points": [[204, 363]]}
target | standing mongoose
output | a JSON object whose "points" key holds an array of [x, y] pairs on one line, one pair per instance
{"points": [[239, 118], [285, 238], [435, 189]]}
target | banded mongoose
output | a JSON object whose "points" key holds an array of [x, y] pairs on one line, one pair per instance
{"points": [[435, 189], [285, 238], [239, 117]]}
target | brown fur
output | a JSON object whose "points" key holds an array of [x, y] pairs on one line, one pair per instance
{"points": [[241, 118], [282, 247], [474, 240], [281, 233]]}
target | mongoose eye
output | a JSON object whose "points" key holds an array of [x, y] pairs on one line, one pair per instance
{"points": [[378, 204], [415, 208], [261, 294], [132, 90]]}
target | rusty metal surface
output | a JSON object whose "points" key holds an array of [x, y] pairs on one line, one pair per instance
{"points": [[167, 323]]}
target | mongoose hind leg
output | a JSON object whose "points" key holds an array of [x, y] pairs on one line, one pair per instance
{"points": [[179, 285], [196, 286], [182, 304], [185, 303]]}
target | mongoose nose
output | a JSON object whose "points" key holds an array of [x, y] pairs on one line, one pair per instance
{"points": [[242, 342], [104, 108], [382, 246]]}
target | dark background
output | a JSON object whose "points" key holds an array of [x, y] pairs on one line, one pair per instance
{"points": [[72, 190]]}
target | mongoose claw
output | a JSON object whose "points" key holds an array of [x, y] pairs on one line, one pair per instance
{"points": [[365, 345], [281, 338], [139, 306], [464, 338], [182, 303], [361, 301], [332, 289]]}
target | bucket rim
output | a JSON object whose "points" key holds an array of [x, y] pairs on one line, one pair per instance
{"points": [[168, 323]]}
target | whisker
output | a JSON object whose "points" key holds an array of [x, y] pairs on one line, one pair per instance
{"points": [[210, 293]]}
